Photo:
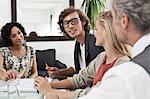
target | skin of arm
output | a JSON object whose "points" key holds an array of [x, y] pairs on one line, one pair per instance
{"points": [[51, 96], [1, 61], [68, 72], [56, 94], [63, 84], [34, 67], [5, 75], [55, 72]]}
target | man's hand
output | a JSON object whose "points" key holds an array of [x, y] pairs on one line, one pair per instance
{"points": [[53, 71], [59, 73]]}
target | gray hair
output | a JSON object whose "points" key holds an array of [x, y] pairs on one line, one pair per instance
{"points": [[138, 12]]}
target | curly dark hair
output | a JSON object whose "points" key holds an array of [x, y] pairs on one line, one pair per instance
{"points": [[68, 11], [6, 31]]}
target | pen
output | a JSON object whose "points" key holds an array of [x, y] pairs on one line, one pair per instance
{"points": [[37, 91], [35, 85]]}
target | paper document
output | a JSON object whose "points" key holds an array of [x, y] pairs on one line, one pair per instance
{"points": [[26, 85], [22, 85]]}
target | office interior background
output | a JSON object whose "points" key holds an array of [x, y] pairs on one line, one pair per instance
{"points": [[42, 16]]}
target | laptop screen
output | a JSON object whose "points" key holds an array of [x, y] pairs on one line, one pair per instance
{"points": [[45, 56]]}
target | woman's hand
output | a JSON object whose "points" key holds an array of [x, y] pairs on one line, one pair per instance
{"points": [[51, 96], [42, 84], [10, 74]]}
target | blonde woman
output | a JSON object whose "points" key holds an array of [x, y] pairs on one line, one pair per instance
{"points": [[115, 53]]}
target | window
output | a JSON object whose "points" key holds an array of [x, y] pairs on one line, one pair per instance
{"points": [[41, 16]]}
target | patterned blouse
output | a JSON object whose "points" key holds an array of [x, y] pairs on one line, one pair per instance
{"points": [[21, 64]]}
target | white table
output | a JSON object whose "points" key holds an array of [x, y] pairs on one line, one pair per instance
{"points": [[24, 90], [22, 95]]}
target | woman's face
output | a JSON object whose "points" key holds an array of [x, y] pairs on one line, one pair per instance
{"points": [[16, 36], [99, 34]]}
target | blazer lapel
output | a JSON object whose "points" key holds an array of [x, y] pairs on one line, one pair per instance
{"points": [[86, 46]]}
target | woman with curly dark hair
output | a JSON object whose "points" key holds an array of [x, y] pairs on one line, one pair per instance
{"points": [[17, 60]]}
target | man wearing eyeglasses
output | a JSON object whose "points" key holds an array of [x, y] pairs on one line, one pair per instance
{"points": [[75, 24]]}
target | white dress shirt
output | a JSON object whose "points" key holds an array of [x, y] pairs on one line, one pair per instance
{"points": [[82, 57], [125, 81]]}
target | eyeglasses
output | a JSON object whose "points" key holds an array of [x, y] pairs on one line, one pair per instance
{"points": [[73, 21]]}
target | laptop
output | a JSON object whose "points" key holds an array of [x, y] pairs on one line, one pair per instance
{"points": [[45, 56]]}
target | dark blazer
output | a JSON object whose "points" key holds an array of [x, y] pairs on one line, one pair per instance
{"points": [[91, 51]]}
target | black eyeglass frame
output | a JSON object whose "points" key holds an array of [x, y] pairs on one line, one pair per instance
{"points": [[73, 21]]}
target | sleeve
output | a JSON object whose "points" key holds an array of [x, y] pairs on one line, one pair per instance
{"points": [[112, 88], [85, 77], [126, 81], [81, 92]]}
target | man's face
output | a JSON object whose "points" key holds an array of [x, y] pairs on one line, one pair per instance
{"points": [[117, 24], [73, 25]]}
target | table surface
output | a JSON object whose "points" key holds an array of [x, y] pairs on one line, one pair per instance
{"points": [[32, 94], [22, 95], [18, 94]]}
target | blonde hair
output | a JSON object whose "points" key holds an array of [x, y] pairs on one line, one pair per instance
{"points": [[105, 20]]}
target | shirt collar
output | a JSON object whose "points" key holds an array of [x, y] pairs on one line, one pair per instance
{"points": [[82, 45], [141, 44]]}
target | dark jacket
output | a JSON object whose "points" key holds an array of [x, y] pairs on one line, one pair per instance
{"points": [[91, 51]]}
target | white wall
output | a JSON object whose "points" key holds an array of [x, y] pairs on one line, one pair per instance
{"points": [[5, 12], [108, 5], [64, 49], [35, 15]]}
